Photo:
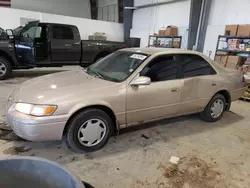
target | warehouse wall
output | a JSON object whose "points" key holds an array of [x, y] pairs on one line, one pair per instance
{"points": [[108, 10], [147, 21], [76, 8], [224, 12], [86, 27]]}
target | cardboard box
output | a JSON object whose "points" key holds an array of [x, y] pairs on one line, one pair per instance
{"points": [[162, 32], [99, 34], [243, 30], [234, 62], [231, 30], [235, 59], [224, 60], [231, 66], [217, 58], [169, 31], [172, 30], [221, 60]]}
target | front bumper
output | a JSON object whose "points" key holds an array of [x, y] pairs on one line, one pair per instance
{"points": [[32, 128]]}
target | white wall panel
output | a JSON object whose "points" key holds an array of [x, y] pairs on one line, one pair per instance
{"points": [[76, 8], [103, 3], [86, 27], [108, 10], [213, 32], [225, 12], [10, 18], [147, 21]]}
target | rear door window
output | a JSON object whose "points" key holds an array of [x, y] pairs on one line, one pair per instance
{"points": [[194, 65], [62, 32]]}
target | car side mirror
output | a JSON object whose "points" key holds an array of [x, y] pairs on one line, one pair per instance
{"points": [[140, 81], [10, 33]]}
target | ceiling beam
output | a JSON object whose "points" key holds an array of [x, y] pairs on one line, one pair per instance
{"points": [[157, 4], [93, 9]]}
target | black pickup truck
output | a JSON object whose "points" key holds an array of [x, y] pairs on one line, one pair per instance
{"points": [[49, 45]]}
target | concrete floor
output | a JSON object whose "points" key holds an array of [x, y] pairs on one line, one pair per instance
{"points": [[139, 157]]}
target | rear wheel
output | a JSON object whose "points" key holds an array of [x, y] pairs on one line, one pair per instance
{"points": [[215, 109], [5, 68], [89, 130]]}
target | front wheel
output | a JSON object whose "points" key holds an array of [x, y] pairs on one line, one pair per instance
{"points": [[5, 68], [215, 109], [89, 130]]}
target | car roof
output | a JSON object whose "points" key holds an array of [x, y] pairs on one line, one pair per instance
{"points": [[151, 51], [58, 24], [162, 51]]}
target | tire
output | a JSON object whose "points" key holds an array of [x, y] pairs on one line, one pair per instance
{"points": [[208, 115], [84, 120], [5, 68]]}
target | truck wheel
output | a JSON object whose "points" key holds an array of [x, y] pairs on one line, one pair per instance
{"points": [[5, 68], [89, 130]]}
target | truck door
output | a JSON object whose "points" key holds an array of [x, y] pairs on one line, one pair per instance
{"points": [[24, 44], [65, 44]]}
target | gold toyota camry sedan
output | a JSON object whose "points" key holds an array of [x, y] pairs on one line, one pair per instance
{"points": [[128, 87]]}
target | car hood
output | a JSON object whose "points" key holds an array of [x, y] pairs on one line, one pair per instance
{"points": [[56, 87]]}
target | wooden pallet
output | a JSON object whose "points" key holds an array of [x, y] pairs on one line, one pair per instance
{"points": [[245, 98]]}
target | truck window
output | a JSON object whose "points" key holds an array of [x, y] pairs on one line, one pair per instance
{"points": [[38, 32], [62, 32], [28, 32]]}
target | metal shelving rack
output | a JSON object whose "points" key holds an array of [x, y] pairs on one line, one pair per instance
{"points": [[233, 52], [157, 37], [230, 51]]}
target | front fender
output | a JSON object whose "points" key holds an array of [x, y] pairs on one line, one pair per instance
{"points": [[84, 104]]}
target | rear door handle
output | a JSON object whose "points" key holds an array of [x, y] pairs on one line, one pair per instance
{"points": [[175, 89], [76, 44], [214, 84]]}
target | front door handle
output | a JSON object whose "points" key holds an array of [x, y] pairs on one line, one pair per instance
{"points": [[175, 89], [214, 84], [68, 45]]}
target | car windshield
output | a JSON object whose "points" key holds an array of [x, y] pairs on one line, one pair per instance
{"points": [[17, 30], [118, 66]]}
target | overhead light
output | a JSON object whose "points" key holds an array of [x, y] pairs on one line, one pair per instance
{"points": [[130, 8]]}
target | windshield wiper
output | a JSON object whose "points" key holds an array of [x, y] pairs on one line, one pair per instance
{"points": [[93, 73], [99, 75]]}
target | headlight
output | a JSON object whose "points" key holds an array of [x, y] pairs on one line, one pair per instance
{"points": [[35, 110]]}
